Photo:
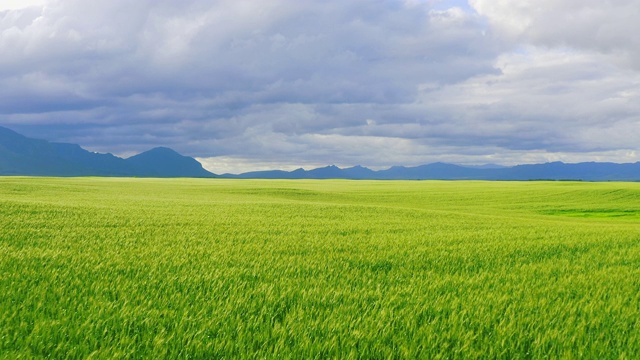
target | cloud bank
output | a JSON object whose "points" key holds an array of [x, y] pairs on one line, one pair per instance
{"points": [[247, 85]]}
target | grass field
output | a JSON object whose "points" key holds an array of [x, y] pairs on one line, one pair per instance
{"points": [[149, 268]]}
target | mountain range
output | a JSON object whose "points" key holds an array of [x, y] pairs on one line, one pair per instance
{"points": [[588, 171], [20, 155]]}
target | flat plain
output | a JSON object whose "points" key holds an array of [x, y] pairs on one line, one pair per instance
{"points": [[188, 268]]}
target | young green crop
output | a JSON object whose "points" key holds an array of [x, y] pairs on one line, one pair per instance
{"points": [[184, 268]]}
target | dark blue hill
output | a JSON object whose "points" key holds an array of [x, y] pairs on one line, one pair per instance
{"points": [[358, 172], [20, 155], [327, 172], [93, 163], [165, 162]]}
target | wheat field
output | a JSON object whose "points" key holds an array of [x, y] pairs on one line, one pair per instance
{"points": [[183, 268]]}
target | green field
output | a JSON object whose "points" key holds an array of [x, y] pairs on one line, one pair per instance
{"points": [[183, 268]]}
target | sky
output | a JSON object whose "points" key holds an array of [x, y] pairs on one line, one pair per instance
{"points": [[250, 84]]}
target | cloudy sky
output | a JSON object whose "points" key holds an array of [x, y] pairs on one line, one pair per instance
{"points": [[253, 84]]}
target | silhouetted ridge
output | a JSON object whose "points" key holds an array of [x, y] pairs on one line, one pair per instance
{"points": [[20, 155]]}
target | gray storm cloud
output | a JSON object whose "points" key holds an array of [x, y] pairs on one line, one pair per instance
{"points": [[296, 83]]}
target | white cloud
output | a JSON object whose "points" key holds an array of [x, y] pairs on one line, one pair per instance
{"points": [[20, 4], [593, 25]]}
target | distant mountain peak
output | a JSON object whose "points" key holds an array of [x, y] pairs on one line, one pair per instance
{"points": [[159, 151], [162, 150]]}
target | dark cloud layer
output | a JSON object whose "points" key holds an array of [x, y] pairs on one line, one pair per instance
{"points": [[296, 83]]}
